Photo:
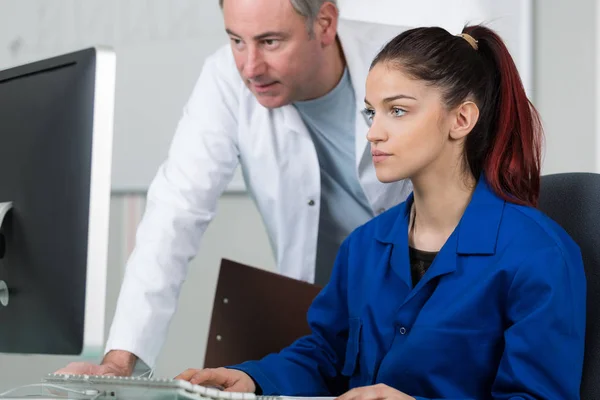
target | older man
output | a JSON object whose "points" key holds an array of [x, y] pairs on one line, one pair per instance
{"points": [[284, 100]]}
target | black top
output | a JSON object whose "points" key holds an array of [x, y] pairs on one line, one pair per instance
{"points": [[420, 261]]}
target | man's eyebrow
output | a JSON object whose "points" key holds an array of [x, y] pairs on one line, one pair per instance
{"points": [[232, 33], [271, 34], [261, 36]]}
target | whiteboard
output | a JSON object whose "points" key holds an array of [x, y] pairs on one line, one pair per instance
{"points": [[161, 46]]}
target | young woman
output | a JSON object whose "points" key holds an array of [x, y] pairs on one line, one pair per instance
{"points": [[464, 291]]}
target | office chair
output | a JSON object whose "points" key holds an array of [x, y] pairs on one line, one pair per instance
{"points": [[573, 201]]}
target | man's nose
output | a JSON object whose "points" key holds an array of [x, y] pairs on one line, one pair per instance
{"points": [[254, 66]]}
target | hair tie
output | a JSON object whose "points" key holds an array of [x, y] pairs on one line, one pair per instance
{"points": [[469, 39]]}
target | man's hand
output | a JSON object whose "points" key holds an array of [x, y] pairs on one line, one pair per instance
{"points": [[85, 368], [115, 363], [375, 392], [230, 380]]}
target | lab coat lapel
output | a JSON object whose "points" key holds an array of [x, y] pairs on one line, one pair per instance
{"points": [[358, 67]]}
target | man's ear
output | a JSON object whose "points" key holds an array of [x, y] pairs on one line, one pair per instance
{"points": [[326, 23], [465, 117]]}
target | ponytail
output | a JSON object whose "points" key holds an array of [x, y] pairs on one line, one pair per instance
{"points": [[512, 166]]}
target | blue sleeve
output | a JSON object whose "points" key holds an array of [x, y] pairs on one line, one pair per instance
{"points": [[544, 340], [311, 365]]}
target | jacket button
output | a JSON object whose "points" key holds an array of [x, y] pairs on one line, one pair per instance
{"points": [[402, 330], [311, 203]]}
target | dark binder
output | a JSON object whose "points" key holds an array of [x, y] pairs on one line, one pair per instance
{"points": [[255, 313]]}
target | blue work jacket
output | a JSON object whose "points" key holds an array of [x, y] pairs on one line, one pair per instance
{"points": [[500, 314]]}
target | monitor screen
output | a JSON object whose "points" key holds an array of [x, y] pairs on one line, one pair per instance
{"points": [[56, 124]]}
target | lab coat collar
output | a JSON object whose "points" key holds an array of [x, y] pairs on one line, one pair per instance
{"points": [[477, 230], [358, 67]]}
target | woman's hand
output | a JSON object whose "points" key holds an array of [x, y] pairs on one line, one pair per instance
{"points": [[229, 380], [375, 392]]}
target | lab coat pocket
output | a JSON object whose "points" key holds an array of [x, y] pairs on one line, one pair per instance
{"points": [[352, 347]]}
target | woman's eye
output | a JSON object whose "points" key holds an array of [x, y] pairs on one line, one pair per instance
{"points": [[398, 112]]}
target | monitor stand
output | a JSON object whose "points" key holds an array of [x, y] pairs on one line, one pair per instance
{"points": [[4, 209]]}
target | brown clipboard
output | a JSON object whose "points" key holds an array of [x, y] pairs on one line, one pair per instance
{"points": [[255, 313]]}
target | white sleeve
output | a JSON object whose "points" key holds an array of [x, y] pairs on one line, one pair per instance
{"points": [[182, 200]]}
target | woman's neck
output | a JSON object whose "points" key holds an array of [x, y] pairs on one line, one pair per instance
{"points": [[439, 204]]}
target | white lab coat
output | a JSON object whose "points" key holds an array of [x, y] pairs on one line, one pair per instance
{"points": [[223, 125]]}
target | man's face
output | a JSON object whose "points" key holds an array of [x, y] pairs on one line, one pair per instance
{"points": [[273, 50]]}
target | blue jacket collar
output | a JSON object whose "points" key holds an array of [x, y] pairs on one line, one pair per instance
{"points": [[477, 230]]}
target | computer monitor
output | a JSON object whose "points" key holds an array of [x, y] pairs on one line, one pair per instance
{"points": [[56, 125]]}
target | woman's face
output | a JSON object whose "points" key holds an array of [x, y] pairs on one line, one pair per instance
{"points": [[411, 132]]}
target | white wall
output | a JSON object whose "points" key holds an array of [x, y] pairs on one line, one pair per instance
{"points": [[566, 83]]}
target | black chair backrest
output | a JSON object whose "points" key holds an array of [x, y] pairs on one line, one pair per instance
{"points": [[573, 201]]}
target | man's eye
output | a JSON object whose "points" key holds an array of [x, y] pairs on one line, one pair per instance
{"points": [[237, 42], [369, 114], [271, 42]]}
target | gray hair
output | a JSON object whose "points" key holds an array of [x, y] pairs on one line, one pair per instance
{"points": [[309, 9]]}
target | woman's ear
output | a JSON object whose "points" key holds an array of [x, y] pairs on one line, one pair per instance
{"points": [[465, 117]]}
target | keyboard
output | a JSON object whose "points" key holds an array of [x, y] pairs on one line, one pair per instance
{"points": [[120, 387]]}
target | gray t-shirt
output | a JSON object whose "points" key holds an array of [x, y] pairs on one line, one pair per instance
{"points": [[331, 122]]}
